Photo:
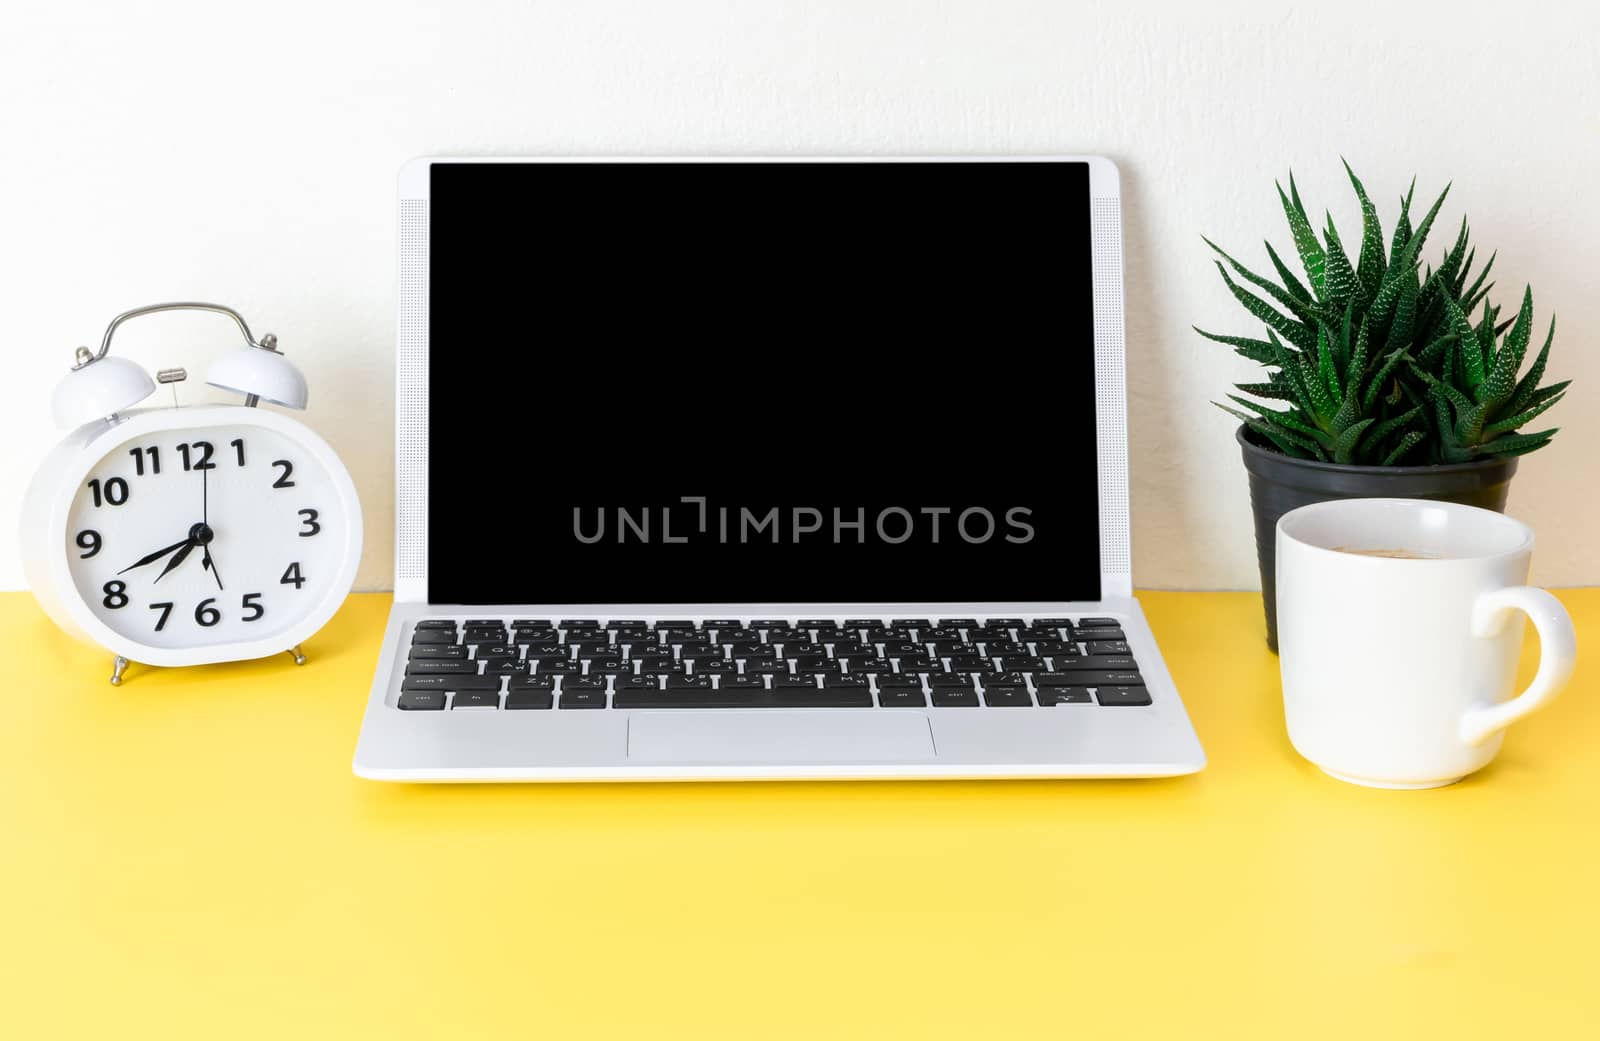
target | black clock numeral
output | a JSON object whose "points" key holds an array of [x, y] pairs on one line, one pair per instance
{"points": [[89, 541], [309, 519], [204, 450], [238, 446], [250, 604], [140, 455], [116, 592], [292, 576], [114, 491], [283, 478], [207, 615], [165, 607]]}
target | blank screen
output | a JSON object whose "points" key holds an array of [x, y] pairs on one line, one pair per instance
{"points": [[737, 382]]}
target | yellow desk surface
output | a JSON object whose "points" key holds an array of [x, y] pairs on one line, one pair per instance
{"points": [[189, 856]]}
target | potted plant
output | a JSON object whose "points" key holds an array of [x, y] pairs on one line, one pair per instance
{"points": [[1383, 384]]}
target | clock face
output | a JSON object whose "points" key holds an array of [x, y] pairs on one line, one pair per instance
{"points": [[211, 535]]}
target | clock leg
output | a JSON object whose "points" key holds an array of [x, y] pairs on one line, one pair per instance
{"points": [[299, 655], [118, 665]]}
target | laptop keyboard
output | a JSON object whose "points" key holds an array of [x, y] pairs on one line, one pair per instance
{"points": [[545, 664]]}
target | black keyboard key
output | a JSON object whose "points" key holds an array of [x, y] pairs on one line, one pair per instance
{"points": [[560, 667], [814, 623], [769, 623], [1122, 695], [740, 683], [912, 623], [722, 623], [902, 697], [548, 654], [439, 651], [483, 621], [421, 701], [1014, 664], [1003, 648], [715, 667], [506, 667], [695, 682], [674, 625], [742, 648], [861, 623], [899, 680], [1063, 647], [441, 668], [1089, 678], [639, 683], [1080, 663], [1049, 696], [1099, 634], [949, 698], [487, 651], [833, 682], [1052, 623], [437, 623], [949, 681], [433, 636], [526, 699], [476, 699], [579, 623], [589, 634], [1107, 647], [535, 636], [612, 666], [921, 663], [658, 663], [744, 699], [583, 699], [592, 651], [578, 684], [531, 623], [1005, 678], [814, 663], [970, 663], [904, 648], [766, 667], [1096, 623], [959, 623], [424, 683], [1006, 696], [798, 681], [536, 682]]}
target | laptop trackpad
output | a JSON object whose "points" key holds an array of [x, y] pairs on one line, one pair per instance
{"points": [[777, 736]]}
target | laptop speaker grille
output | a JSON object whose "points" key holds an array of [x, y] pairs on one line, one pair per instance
{"points": [[1111, 395], [411, 395]]}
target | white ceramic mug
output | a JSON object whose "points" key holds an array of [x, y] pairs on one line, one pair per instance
{"points": [[1398, 672]]}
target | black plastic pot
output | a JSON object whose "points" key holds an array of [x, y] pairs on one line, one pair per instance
{"points": [[1280, 483]]}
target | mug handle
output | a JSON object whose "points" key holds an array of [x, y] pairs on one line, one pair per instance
{"points": [[1558, 653]]}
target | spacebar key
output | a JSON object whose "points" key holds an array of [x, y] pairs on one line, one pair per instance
{"points": [[741, 699]]}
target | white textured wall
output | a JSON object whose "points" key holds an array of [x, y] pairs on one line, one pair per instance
{"points": [[246, 154]]}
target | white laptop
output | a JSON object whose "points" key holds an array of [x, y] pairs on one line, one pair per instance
{"points": [[763, 469]]}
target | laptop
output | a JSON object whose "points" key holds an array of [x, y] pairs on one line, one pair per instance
{"points": [[715, 469]]}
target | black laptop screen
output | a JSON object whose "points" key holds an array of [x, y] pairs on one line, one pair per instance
{"points": [[741, 382]]}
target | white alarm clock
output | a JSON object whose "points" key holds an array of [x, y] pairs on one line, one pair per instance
{"points": [[186, 536]]}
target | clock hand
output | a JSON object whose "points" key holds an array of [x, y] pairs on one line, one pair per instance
{"points": [[153, 557], [210, 565], [178, 558]]}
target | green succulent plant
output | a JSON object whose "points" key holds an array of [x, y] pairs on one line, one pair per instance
{"points": [[1374, 356]]}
